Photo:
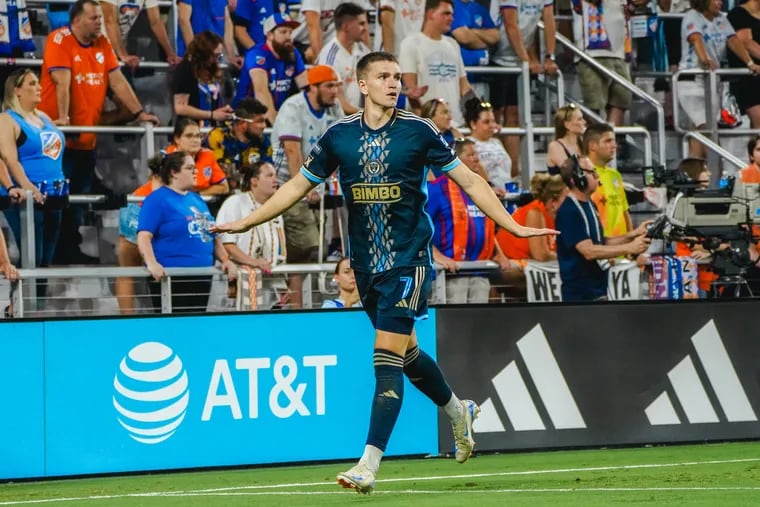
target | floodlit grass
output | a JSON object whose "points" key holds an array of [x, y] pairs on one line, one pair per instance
{"points": [[699, 475]]}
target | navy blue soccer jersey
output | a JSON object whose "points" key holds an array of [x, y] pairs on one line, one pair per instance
{"points": [[383, 177]]}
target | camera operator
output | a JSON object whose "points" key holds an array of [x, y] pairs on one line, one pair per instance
{"points": [[583, 251]]}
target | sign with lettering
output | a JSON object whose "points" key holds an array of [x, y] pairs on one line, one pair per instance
{"points": [[623, 281], [543, 282]]}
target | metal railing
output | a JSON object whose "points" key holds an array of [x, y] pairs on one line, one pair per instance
{"points": [[713, 147], [635, 90]]}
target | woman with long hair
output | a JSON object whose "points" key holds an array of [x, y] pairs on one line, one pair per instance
{"points": [[348, 294], [196, 85], [437, 111], [173, 231], [493, 157], [569, 126], [32, 147], [549, 191], [187, 137]]}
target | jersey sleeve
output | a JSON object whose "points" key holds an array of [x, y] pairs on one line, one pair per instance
{"points": [[439, 153], [310, 5], [487, 20], [300, 67], [112, 63], [150, 214], [691, 24], [56, 57], [217, 174], [322, 160], [242, 15], [461, 17]]}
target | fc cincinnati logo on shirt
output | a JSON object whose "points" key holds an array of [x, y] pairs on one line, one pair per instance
{"points": [[260, 60], [207, 172], [51, 145], [99, 57], [289, 71]]}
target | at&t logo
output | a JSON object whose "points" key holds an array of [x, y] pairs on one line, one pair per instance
{"points": [[151, 392]]}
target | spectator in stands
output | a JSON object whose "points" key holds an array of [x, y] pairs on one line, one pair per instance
{"points": [[195, 86], [317, 26], [751, 173], [475, 31], [78, 67], [270, 69], [242, 141], [127, 251], [610, 199], [493, 157], [548, 194], [303, 118], [431, 63], [461, 233], [437, 111], [745, 19], [518, 44], [671, 27], [194, 17], [249, 16], [262, 247], [120, 15], [173, 231], [210, 180], [398, 20], [705, 34], [601, 31], [33, 147], [348, 294], [583, 251], [569, 126], [345, 49]]}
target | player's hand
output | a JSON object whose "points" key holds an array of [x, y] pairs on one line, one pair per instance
{"points": [[156, 270], [527, 232], [231, 227]]}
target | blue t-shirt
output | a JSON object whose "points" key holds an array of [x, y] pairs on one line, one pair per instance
{"points": [[180, 227], [471, 14], [281, 74], [383, 177], [582, 279], [206, 15], [252, 13]]}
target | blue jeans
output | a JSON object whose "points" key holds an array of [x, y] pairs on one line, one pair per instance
{"points": [[46, 232]]}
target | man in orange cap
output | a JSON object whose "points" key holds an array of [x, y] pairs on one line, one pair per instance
{"points": [[300, 122]]}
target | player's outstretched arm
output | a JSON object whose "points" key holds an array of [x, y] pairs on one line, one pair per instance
{"points": [[285, 197], [485, 198]]}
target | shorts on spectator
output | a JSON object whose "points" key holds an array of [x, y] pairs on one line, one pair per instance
{"points": [[467, 289], [301, 233], [128, 219], [745, 90], [598, 91], [691, 99], [503, 89], [394, 299]]}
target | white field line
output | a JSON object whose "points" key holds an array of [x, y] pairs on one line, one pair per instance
{"points": [[247, 490]]}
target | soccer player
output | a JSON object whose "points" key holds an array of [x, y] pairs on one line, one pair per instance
{"points": [[383, 153]]}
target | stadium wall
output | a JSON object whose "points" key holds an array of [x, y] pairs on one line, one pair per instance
{"points": [[560, 376], [136, 394]]}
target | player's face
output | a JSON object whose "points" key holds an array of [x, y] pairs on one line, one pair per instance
{"points": [[356, 28], [441, 17], [605, 148], [190, 140], [345, 277], [184, 179], [29, 92], [327, 93], [266, 183], [89, 23], [382, 84]]}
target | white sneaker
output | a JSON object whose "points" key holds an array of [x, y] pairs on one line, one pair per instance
{"points": [[361, 478], [463, 441]]}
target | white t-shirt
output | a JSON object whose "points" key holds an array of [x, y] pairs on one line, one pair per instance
{"points": [[438, 64], [495, 160], [615, 26], [297, 121], [529, 13], [714, 33], [407, 20], [127, 12], [265, 241], [326, 10], [344, 63]]}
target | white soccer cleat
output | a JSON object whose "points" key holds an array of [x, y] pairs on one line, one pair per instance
{"points": [[463, 441], [361, 478]]}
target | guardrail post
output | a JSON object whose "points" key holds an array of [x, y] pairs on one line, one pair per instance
{"points": [[17, 297], [27, 240], [527, 143], [166, 295]]}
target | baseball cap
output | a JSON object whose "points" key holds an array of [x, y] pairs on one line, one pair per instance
{"points": [[277, 20], [320, 74]]}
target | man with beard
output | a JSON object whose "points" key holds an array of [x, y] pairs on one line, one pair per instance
{"points": [[301, 121], [242, 141], [269, 69]]}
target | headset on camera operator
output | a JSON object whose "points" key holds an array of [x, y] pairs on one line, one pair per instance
{"points": [[583, 252]]}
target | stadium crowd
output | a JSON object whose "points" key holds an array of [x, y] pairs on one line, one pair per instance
{"points": [[296, 76]]}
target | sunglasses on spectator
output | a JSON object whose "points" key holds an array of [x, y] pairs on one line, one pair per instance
{"points": [[485, 106], [569, 109], [238, 118], [436, 102]]}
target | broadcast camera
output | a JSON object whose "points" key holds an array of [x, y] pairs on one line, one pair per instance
{"points": [[720, 220]]}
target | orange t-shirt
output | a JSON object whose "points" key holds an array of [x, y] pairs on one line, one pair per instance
{"points": [[90, 67], [144, 190], [518, 248], [751, 174], [209, 172]]}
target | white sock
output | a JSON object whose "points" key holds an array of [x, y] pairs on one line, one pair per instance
{"points": [[372, 456], [453, 408]]}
